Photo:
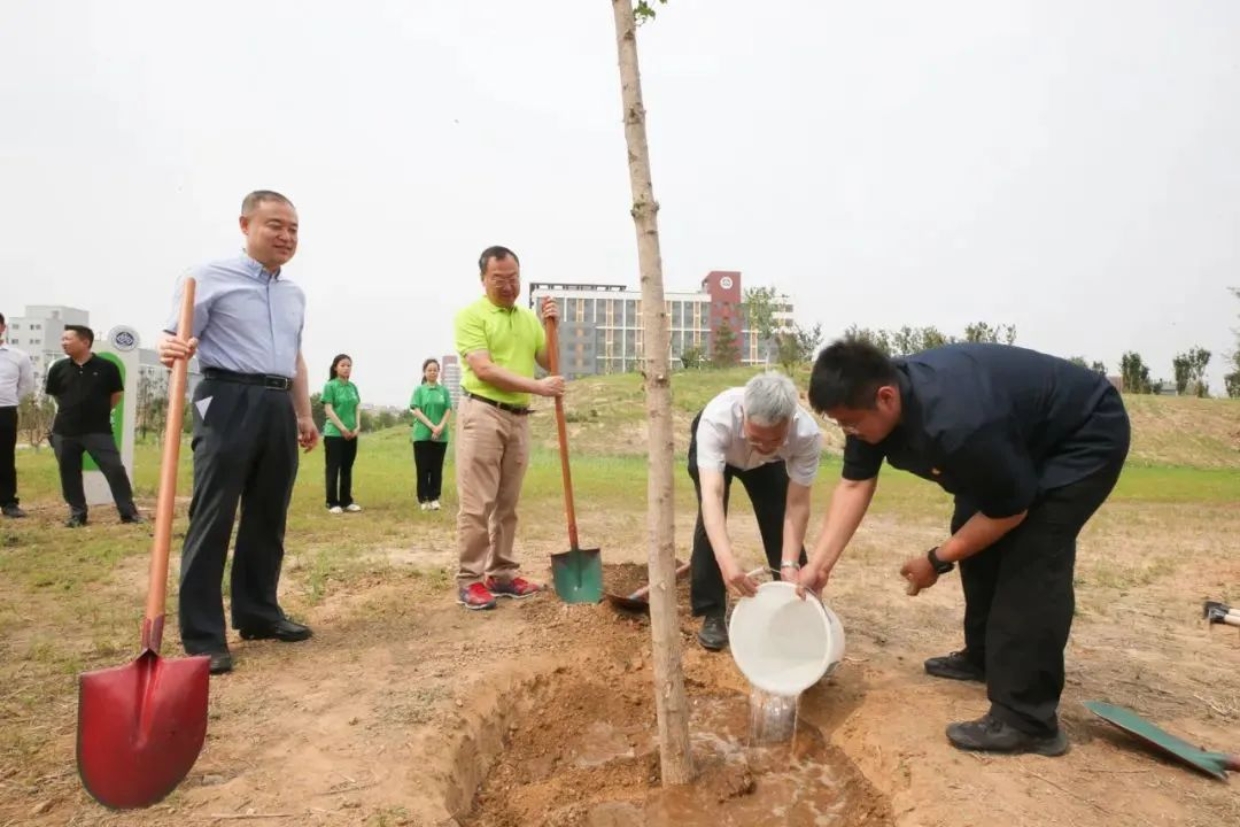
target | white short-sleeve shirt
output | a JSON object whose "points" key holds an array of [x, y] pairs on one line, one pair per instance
{"points": [[721, 440]]}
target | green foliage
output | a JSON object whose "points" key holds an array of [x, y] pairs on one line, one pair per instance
{"points": [[644, 11], [1190, 369], [724, 352], [759, 308], [320, 415], [34, 417], [797, 346], [693, 358], [1232, 380], [908, 340], [1095, 366], [1136, 374]]}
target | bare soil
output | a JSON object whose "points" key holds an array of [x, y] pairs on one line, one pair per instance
{"points": [[405, 709]]}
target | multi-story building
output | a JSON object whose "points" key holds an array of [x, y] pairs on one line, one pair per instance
{"points": [[38, 333], [600, 327], [450, 376]]}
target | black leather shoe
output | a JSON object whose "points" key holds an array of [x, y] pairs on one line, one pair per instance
{"points": [[989, 734], [12, 512], [76, 521], [714, 634], [132, 519], [221, 662], [283, 630], [956, 667]]}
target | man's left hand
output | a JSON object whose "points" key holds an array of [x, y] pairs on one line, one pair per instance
{"points": [[307, 433], [919, 573], [550, 310]]}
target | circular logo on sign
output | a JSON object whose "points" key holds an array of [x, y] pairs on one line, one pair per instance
{"points": [[123, 338], [726, 282]]}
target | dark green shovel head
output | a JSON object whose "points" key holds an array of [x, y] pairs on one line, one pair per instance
{"points": [[578, 575], [1211, 763]]}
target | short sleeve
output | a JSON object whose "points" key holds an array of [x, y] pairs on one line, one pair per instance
{"points": [[202, 312], [470, 332], [995, 471], [712, 444], [415, 401], [329, 394], [51, 384], [115, 383], [803, 465], [862, 461]]}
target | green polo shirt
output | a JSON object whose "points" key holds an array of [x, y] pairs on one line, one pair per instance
{"points": [[433, 401], [511, 335], [343, 397]]}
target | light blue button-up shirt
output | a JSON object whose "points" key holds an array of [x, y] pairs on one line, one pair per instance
{"points": [[246, 319]]}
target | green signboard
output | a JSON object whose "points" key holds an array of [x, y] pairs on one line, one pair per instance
{"points": [[118, 414]]}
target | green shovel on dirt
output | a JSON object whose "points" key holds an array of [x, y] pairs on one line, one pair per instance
{"points": [[576, 573], [1211, 763]]}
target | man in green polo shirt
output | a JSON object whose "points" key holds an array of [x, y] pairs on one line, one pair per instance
{"points": [[499, 344]]}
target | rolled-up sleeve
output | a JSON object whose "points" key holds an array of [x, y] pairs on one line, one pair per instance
{"points": [[995, 471], [803, 466], [712, 445], [862, 461]]}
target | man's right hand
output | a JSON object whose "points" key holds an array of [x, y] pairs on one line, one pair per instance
{"points": [[813, 578], [172, 348], [735, 577], [551, 386]]}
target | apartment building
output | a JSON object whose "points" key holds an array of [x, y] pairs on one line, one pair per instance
{"points": [[450, 377], [601, 324]]}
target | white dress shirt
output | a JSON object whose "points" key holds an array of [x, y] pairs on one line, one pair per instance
{"points": [[16, 376], [721, 440]]}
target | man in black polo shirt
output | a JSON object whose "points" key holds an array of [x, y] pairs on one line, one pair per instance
{"points": [[86, 389], [1030, 445]]}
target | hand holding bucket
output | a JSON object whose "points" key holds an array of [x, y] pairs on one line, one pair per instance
{"points": [[784, 644]]}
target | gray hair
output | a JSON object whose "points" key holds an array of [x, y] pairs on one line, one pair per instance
{"points": [[770, 399]]}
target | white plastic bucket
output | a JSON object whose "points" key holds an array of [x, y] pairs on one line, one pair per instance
{"points": [[783, 644]]}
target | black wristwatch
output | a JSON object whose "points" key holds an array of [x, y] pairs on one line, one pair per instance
{"points": [[939, 566]]}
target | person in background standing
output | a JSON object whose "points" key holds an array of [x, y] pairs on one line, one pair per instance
{"points": [[16, 383], [340, 400], [86, 389], [432, 409]]}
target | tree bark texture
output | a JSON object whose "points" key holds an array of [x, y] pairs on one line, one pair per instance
{"points": [[670, 700]]}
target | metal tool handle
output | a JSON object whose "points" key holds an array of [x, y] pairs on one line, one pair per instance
{"points": [[553, 367], [153, 619]]}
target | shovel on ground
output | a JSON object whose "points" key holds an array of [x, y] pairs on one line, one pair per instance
{"points": [[577, 573], [1211, 763], [1215, 612], [639, 601], [141, 726]]}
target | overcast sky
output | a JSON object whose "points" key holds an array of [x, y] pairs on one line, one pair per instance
{"points": [[1068, 167]]}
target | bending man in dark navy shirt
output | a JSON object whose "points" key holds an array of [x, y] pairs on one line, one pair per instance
{"points": [[1030, 445]]}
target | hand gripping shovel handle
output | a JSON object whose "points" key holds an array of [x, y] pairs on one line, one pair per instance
{"points": [[553, 367], [153, 620]]}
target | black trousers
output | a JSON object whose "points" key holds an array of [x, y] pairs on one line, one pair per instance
{"points": [[8, 456], [767, 487], [102, 449], [1019, 601], [428, 463], [245, 453], [341, 453]]}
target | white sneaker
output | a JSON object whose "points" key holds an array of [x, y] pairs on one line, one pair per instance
{"points": [[423, 506], [434, 505], [353, 508], [335, 509]]}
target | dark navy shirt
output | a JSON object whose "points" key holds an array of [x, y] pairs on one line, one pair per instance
{"points": [[996, 425]]}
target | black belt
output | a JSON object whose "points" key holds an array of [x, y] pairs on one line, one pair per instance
{"points": [[503, 406], [275, 383]]}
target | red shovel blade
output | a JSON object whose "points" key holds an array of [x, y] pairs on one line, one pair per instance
{"points": [[141, 727]]}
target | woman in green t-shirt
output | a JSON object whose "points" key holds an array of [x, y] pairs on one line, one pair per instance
{"points": [[432, 408], [340, 401]]}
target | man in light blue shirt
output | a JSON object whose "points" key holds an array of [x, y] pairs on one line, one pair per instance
{"points": [[251, 411]]}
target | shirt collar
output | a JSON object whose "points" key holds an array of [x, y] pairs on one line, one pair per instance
{"points": [[495, 308], [256, 270]]}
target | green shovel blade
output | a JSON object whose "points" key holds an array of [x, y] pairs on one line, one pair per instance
{"points": [[1212, 763], [578, 575]]}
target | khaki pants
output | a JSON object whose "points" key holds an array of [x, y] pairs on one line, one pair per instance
{"points": [[492, 455]]}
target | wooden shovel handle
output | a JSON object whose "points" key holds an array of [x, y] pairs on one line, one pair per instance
{"points": [[553, 367], [153, 620], [641, 593], [1232, 763]]}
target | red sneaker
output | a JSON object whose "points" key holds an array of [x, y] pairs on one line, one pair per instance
{"points": [[476, 597], [517, 587]]}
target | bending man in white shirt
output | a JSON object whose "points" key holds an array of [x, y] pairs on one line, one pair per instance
{"points": [[761, 436]]}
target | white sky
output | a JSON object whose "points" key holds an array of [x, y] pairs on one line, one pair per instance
{"points": [[1071, 168]]}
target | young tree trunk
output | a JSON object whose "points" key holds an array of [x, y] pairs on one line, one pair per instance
{"points": [[670, 700]]}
